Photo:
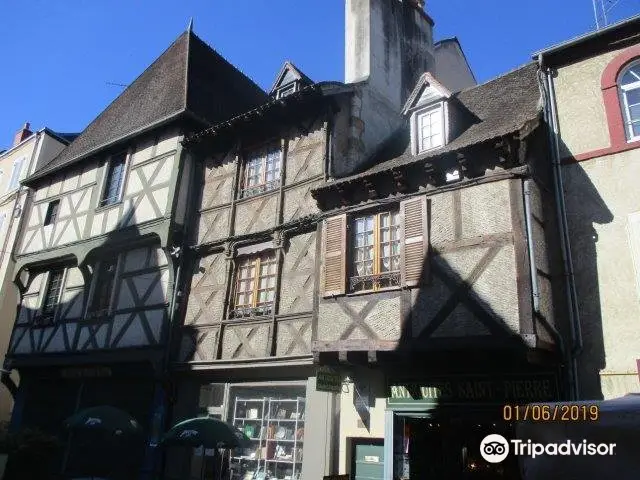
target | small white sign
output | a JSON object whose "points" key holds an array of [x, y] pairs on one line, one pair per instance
{"points": [[371, 459]]}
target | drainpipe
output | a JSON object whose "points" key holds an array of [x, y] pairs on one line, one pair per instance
{"points": [[535, 290], [551, 116]]}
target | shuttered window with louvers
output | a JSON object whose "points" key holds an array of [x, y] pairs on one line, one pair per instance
{"points": [[335, 230], [415, 241]]}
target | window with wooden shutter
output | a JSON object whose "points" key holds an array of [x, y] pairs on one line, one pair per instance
{"points": [[415, 241], [335, 231]]}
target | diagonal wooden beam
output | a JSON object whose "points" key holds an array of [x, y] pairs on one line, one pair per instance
{"points": [[461, 290]]}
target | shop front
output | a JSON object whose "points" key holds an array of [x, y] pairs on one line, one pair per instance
{"points": [[285, 420], [434, 425]]}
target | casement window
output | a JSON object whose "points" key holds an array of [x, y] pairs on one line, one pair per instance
{"points": [[104, 280], [52, 212], [629, 85], [52, 293], [262, 172], [428, 129], [14, 180], [375, 259], [255, 285], [373, 251], [114, 179]]}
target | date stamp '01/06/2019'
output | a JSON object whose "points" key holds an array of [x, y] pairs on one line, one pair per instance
{"points": [[551, 413]]}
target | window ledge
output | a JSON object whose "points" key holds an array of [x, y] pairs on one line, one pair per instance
{"points": [[109, 206], [242, 199], [372, 292]]}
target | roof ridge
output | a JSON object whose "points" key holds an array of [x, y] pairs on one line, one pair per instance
{"points": [[223, 58]]}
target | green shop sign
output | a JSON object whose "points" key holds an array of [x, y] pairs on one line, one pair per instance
{"points": [[472, 389], [328, 380]]}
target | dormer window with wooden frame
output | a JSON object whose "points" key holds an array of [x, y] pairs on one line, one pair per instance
{"points": [[429, 128], [428, 110], [289, 81], [255, 285], [376, 250], [262, 171]]}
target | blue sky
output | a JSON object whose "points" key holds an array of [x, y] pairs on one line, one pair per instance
{"points": [[59, 59]]}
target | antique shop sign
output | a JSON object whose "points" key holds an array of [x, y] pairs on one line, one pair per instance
{"points": [[465, 389], [328, 380]]}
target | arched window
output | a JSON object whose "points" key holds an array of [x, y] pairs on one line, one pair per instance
{"points": [[629, 84]]}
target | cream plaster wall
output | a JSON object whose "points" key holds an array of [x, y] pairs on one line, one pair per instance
{"points": [[601, 194], [350, 422], [581, 112]]}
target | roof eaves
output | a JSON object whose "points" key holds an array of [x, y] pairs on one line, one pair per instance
{"points": [[324, 87], [584, 37], [43, 172]]}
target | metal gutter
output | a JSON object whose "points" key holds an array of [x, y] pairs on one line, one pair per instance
{"points": [[551, 117], [583, 38]]}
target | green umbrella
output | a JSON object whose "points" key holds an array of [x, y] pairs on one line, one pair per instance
{"points": [[104, 419], [205, 432]]}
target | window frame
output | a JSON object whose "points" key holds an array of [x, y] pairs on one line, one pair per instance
{"points": [[102, 203], [624, 101], [48, 220], [255, 308], [416, 116], [44, 312], [91, 311], [17, 172], [284, 91], [264, 186], [394, 277]]}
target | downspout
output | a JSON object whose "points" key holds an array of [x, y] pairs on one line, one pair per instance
{"points": [[551, 116]]}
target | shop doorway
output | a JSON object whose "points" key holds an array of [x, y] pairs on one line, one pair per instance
{"points": [[367, 459], [439, 449]]}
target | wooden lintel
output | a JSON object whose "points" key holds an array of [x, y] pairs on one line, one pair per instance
{"points": [[354, 346]]}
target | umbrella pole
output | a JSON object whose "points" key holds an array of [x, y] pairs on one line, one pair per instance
{"points": [[204, 458]]}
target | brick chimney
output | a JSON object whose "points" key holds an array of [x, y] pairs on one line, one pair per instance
{"points": [[22, 134]]}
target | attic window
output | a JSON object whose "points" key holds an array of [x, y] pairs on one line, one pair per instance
{"points": [[428, 129], [287, 90]]}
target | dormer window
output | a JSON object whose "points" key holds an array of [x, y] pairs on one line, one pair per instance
{"points": [[429, 128], [287, 90]]}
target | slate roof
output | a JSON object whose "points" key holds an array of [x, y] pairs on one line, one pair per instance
{"points": [[500, 106], [189, 77]]}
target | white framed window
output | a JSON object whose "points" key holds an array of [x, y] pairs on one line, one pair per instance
{"points": [[53, 291], [114, 179], [428, 129], [262, 172], [629, 84], [14, 180]]}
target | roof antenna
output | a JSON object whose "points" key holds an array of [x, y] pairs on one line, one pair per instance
{"points": [[190, 26]]}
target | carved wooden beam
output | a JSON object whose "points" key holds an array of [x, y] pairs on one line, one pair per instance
{"points": [[430, 173], [463, 164], [370, 186], [342, 192], [400, 180]]}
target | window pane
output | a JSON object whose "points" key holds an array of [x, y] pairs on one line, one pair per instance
{"points": [[633, 97], [104, 285], [632, 76], [53, 291], [634, 112], [636, 129], [114, 179]]}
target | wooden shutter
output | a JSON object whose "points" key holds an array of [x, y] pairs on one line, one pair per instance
{"points": [[335, 246], [415, 241]]}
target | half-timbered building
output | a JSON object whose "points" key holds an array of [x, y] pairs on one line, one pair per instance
{"points": [[436, 282], [252, 313], [100, 251]]}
